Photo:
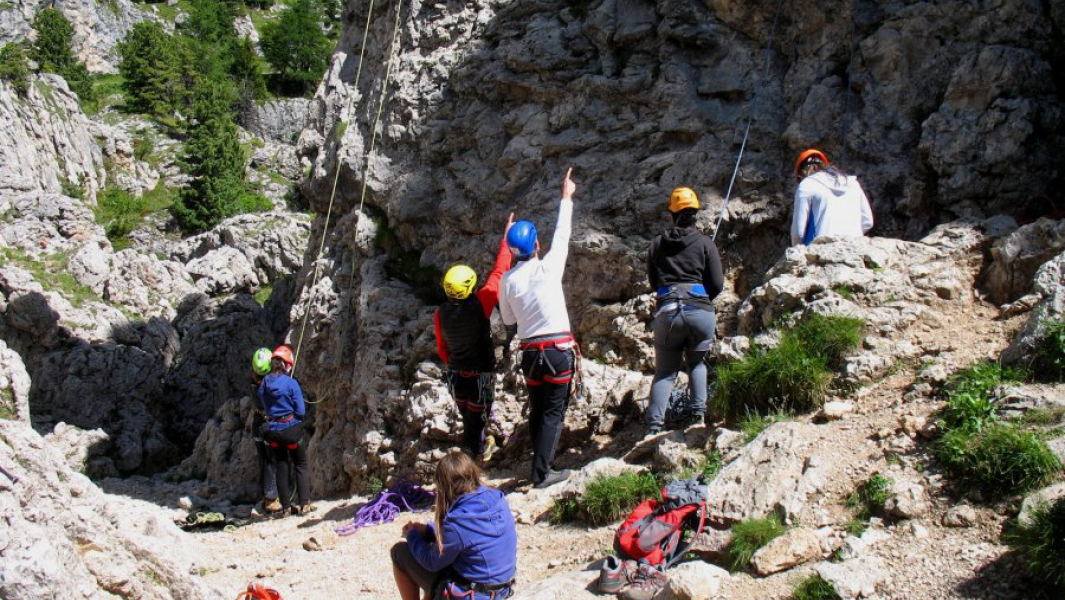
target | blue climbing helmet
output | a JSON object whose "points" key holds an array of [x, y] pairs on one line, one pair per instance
{"points": [[522, 239]]}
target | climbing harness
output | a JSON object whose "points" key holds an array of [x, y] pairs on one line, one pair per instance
{"points": [[404, 496], [750, 118]]}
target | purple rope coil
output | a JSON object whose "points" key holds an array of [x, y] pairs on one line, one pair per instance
{"points": [[386, 504]]}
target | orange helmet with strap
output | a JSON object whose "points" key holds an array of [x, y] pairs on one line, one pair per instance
{"points": [[285, 354], [258, 591], [809, 154], [682, 198]]}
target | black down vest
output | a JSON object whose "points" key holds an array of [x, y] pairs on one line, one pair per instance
{"points": [[468, 335]]}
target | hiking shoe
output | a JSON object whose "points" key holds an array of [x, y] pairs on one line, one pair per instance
{"points": [[272, 506], [616, 574], [553, 477], [489, 449], [303, 509], [649, 582]]}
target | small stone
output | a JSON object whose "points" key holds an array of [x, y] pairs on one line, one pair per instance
{"points": [[919, 531], [834, 411], [185, 503], [960, 516]]}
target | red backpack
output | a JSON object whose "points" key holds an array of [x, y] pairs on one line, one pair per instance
{"points": [[653, 531]]}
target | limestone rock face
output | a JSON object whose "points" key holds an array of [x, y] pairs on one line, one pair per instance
{"points": [[279, 120], [63, 536], [1016, 258], [1049, 290], [98, 27], [14, 385], [45, 140]]}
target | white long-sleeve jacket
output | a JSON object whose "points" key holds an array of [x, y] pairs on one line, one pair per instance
{"points": [[531, 293], [830, 204]]}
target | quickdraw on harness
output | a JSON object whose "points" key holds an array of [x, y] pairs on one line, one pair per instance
{"points": [[258, 591], [563, 342], [387, 504]]}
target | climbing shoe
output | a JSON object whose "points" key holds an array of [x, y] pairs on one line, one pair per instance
{"points": [[489, 449], [302, 509], [552, 478], [615, 574], [272, 506], [649, 582]]}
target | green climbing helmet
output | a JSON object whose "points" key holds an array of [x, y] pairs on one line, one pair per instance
{"points": [[260, 361]]}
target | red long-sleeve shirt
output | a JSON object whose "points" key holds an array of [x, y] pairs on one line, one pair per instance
{"points": [[488, 295]]}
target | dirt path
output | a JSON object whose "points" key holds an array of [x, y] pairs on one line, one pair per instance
{"points": [[925, 559]]}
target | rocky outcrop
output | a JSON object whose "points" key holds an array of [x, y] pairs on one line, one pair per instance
{"points": [[485, 118], [14, 386], [45, 141], [1016, 258], [98, 26], [1049, 294], [279, 120], [63, 536]]}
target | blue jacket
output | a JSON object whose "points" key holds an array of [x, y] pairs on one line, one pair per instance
{"points": [[281, 396], [480, 541]]}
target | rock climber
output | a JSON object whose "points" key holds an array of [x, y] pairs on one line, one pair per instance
{"points": [[464, 342], [260, 368], [470, 551], [533, 306], [282, 402], [827, 201], [684, 269]]}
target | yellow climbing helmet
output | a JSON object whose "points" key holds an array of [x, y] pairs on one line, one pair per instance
{"points": [[459, 282], [682, 198]]}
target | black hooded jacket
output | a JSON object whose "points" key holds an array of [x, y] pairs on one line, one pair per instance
{"points": [[685, 255]]}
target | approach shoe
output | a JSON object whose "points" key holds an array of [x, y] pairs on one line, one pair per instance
{"points": [[553, 477], [649, 582], [615, 574], [489, 449], [303, 509], [272, 506]]}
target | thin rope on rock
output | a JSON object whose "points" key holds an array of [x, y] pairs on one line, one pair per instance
{"points": [[332, 193], [404, 496], [750, 118]]}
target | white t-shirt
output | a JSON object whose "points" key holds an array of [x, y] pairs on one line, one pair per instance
{"points": [[531, 292], [832, 205]]}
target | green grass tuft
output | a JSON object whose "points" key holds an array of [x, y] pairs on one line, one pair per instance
{"points": [[970, 394], [263, 295], [793, 377], [119, 212], [753, 424], [869, 498], [999, 459], [1049, 359], [750, 535], [607, 498], [814, 588], [1040, 544]]}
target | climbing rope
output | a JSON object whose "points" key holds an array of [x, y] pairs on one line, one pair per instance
{"points": [[750, 118], [387, 504], [845, 124], [333, 192]]}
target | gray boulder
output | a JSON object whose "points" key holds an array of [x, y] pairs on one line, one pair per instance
{"points": [[14, 386], [64, 536], [1049, 286], [1016, 258]]}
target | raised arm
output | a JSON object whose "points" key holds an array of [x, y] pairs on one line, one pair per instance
{"points": [[489, 293], [555, 260]]}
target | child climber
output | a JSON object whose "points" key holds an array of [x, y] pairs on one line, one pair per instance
{"points": [[464, 342], [471, 550], [282, 402], [260, 368]]}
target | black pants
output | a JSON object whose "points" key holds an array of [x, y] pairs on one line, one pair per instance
{"points": [[281, 453], [472, 392], [548, 375], [267, 468]]}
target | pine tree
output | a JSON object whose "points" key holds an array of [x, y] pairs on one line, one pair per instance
{"points": [[156, 70], [247, 71], [54, 53], [14, 67], [214, 159], [296, 46]]}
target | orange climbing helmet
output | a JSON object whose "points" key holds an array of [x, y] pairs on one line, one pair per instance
{"points": [[258, 591], [810, 154], [284, 353], [682, 198]]}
